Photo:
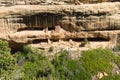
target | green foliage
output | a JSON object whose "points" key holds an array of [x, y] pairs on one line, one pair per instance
{"points": [[116, 48], [7, 61], [117, 61], [111, 77], [33, 65], [36, 66], [51, 49], [85, 40], [68, 69], [37, 70], [29, 53], [62, 67], [98, 60]]}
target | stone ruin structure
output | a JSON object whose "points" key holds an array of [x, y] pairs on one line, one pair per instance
{"points": [[60, 26]]}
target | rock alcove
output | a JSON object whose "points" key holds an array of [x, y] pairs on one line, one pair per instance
{"points": [[60, 25]]}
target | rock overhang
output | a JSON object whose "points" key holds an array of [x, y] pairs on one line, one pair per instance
{"points": [[85, 9], [59, 22]]}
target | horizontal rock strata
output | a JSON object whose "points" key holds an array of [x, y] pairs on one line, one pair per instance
{"points": [[27, 23]]}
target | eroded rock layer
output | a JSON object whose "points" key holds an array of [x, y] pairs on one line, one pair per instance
{"points": [[23, 24]]}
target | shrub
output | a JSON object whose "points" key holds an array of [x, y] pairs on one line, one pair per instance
{"points": [[29, 53], [51, 49], [111, 77], [37, 70], [60, 68], [7, 61], [37, 66], [85, 40], [97, 60], [68, 69], [116, 48], [117, 61]]}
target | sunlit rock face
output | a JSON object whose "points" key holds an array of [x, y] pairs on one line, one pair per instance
{"points": [[33, 24]]}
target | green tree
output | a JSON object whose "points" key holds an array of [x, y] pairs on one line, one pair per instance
{"points": [[98, 60], [85, 40], [68, 69], [36, 66], [7, 61]]}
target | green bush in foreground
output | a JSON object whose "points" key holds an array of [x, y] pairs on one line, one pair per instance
{"points": [[68, 69], [111, 77], [117, 48], [117, 61], [35, 66], [31, 64], [7, 61], [97, 60], [62, 67]]}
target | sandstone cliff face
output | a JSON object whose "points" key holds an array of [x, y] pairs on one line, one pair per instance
{"points": [[36, 23]]}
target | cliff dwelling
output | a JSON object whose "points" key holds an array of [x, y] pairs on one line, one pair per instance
{"points": [[61, 26], [59, 40]]}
